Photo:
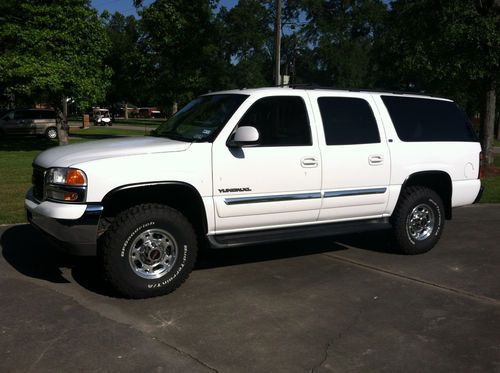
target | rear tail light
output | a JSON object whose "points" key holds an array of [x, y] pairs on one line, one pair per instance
{"points": [[481, 169]]}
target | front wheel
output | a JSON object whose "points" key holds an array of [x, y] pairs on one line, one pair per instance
{"points": [[418, 220], [149, 250]]}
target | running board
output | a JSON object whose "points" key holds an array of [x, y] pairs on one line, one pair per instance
{"points": [[220, 241]]}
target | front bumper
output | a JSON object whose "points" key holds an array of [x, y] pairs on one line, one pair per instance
{"points": [[74, 236]]}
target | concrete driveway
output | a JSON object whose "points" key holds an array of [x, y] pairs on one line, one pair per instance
{"points": [[339, 304]]}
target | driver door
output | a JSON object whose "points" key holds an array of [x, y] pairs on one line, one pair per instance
{"points": [[275, 183]]}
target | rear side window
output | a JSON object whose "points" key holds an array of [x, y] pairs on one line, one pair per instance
{"points": [[47, 114], [280, 120], [420, 119], [27, 114], [348, 121]]}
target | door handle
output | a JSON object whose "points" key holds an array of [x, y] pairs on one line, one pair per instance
{"points": [[375, 159], [309, 162]]}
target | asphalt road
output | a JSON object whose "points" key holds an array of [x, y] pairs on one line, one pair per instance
{"points": [[340, 304]]}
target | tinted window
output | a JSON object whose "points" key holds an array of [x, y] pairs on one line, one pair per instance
{"points": [[419, 119], [47, 114], [348, 121], [21, 114], [280, 120]]}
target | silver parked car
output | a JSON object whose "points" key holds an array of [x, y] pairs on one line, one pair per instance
{"points": [[29, 122]]}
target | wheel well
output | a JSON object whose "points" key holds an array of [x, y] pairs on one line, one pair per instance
{"points": [[439, 181], [180, 196]]}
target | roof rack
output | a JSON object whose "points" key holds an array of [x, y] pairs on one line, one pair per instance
{"points": [[372, 90]]}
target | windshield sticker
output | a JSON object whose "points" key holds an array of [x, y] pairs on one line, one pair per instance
{"points": [[206, 132]]}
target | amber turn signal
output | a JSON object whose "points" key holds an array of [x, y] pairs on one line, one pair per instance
{"points": [[75, 177], [70, 196]]}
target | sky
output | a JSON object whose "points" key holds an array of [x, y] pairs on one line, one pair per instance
{"points": [[126, 6]]}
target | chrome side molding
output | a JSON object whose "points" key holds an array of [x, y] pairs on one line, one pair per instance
{"points": [[300, 196]]}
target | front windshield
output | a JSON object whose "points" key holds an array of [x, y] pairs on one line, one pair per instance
{"points": [[201, 119]]}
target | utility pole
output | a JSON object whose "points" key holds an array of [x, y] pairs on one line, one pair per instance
{"points": [[277, 44]]}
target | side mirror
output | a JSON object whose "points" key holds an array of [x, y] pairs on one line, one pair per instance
{"points": [[244, 136]]}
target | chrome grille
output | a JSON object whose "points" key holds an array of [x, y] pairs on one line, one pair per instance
{"points": [[38, 182]]}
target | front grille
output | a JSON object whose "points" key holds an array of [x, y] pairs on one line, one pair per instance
{"points": [[38, 180]]}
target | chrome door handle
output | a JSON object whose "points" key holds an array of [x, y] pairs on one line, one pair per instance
{"points": [[375, 160], [309, 162]]}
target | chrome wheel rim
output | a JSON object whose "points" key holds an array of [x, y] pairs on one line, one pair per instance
{"points": [[420, 222], [52, 134], [153, 254]]}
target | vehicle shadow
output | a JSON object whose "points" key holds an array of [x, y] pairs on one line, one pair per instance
{"points": [[27, 251], [377, 241]]}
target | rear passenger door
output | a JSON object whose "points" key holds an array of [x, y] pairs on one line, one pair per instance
{"points": [[44, 120], [356, 160]]}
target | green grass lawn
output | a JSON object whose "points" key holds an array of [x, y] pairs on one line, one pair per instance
{"points": [[16, 157], [491, 190], [17, 154]]}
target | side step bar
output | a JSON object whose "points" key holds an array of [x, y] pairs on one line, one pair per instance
{"points": [[220, 241]]}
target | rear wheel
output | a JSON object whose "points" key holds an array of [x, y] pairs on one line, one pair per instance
{"points": [[51, 133], [149, 250], [418, 220]]}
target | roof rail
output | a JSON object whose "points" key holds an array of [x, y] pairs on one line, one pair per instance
{"points": [[372, 90]]}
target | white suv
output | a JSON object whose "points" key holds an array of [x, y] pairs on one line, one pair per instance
{"points": [[252, 166]]}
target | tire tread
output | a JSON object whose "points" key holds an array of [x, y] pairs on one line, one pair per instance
{"points": [[409, 196], [123, 219]]}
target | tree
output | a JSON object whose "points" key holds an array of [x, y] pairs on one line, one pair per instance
{"points": [[445, 47], [181, 46], [130, 81], [52, 49], [248, 38], [340, 37]]}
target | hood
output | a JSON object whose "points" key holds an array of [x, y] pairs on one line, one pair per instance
{"points": [[65, 156]]}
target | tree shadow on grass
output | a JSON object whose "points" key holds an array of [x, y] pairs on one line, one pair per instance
{"points": [[31, 143]]}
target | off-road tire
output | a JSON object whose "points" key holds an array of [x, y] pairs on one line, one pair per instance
{"points": [[115, 250], [411, 198]]}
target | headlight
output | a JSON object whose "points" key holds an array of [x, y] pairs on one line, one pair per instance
{"points": [[66, 176], [66, 184]]}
